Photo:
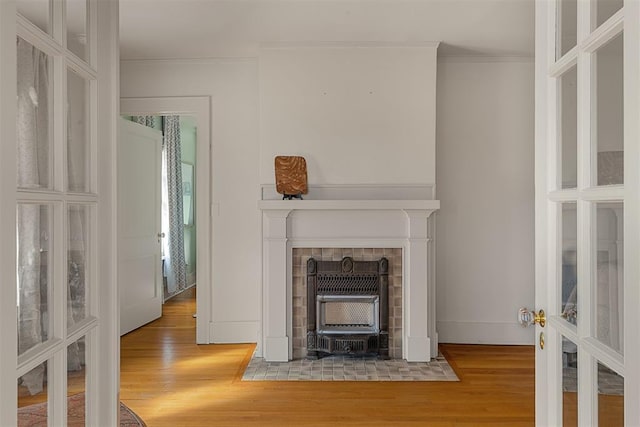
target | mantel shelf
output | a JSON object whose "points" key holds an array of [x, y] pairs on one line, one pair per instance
{"points": [[268, 205]]}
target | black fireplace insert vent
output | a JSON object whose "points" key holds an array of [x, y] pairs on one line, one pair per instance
{"points": [[348, 307]]}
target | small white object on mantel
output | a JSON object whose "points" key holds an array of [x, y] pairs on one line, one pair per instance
{"points": [[405, 224]]}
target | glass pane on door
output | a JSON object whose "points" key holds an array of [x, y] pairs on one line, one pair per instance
{"points": [[609, 280], [568, 123], [38, 12], [608, 113], [610, 397], [569, 259], [34, 268], [569, 383], [78, 226], [76, 382], [33, 395], [567, 26], [604, 9], [79, 153], [77, 27], [33, 118]]}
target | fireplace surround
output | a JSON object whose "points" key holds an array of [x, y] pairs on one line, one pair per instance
{"points": [[378, 224], [300, 258]]}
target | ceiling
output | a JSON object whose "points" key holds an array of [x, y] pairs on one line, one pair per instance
{"points": [[164, 29]]}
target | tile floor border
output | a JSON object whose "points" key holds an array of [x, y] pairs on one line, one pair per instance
{"points": [[343, 368]]}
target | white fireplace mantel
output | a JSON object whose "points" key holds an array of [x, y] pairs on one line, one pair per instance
{"points": [[278, 205], [405, 224]]}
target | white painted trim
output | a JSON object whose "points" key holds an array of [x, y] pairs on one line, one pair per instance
{"points": [[564, 64], [480, 59], [191, 61], [200, 108], [8, 310], [358, 192], [333, 242], [542, 14], [431, 284], [349, 45], [632, 213], [234, 332], [417, 348], [596, 194], [338, 205], [491, 333], [103, 406]]}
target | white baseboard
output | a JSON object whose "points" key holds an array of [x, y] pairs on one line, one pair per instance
{"points": [[498, 333], [233, 332]]}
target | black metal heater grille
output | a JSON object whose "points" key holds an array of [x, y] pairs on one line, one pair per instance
{"points": [[347, 307]]}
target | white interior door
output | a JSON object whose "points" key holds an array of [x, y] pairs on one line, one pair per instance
{"points": [[58, 112], [587, 212], [139, 201]]}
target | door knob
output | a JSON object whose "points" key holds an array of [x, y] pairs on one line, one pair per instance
{"points": [[161, 235], [528, 317]]}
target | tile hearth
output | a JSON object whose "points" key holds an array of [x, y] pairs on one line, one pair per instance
{"points": [[341, 368]]}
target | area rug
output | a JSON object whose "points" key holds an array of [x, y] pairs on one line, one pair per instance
{"points": [[341, 368], [609, 382], [36, 415]]}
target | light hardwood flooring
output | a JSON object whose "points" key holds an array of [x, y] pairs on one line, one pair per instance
{"points": [[170, 381]]}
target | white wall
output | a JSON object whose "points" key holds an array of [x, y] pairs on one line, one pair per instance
{"points": [[485, 228], [359, 115], [484, 160], [236, 265]]}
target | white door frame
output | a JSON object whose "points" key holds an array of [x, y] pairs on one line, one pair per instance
{"points": [[632, 212], [549, 369], [198, 107], [8, 309]]}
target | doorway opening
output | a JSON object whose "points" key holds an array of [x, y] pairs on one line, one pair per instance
{"points": [[178, 200], [193, 127]]}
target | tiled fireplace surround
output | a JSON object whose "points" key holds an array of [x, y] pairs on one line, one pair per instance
{"points": [[299, 292], [401, 230]]}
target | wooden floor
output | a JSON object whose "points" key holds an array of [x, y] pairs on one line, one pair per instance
{"points": [[170, 381]]}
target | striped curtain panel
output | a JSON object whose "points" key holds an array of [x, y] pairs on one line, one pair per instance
{"points": [[175, 263]]}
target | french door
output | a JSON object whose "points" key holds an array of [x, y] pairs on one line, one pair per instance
{"points": [[588, 212], [58, 112]]}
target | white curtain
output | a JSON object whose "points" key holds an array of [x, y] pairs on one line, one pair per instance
{"points": [[33, 221], [32, 145], [76, 289]]}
